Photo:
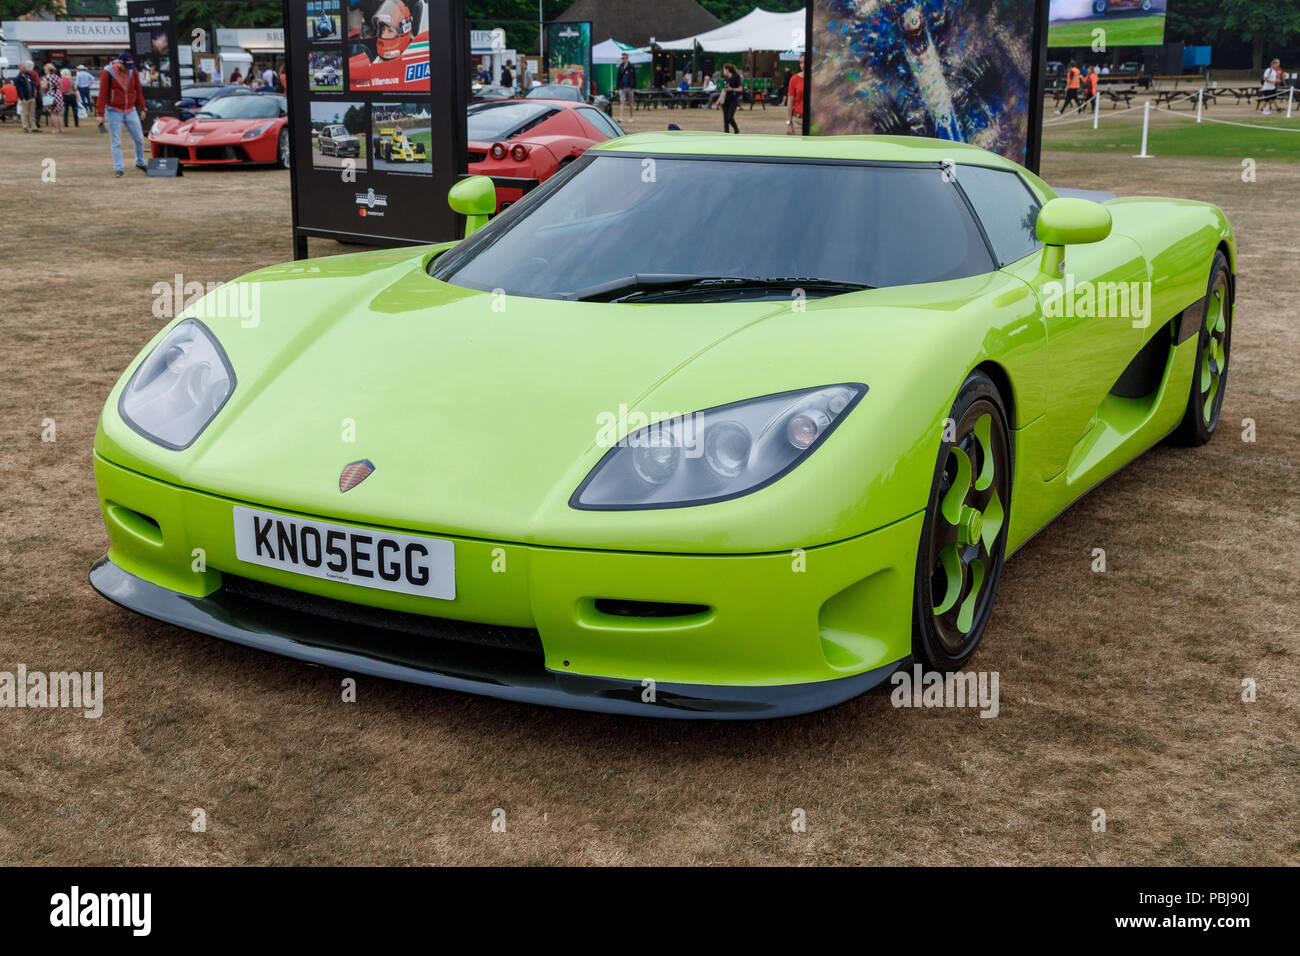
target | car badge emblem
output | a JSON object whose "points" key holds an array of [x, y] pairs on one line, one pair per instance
{"points": [[355, 473]]}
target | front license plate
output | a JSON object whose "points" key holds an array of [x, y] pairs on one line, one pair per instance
{"points": [[367, 557]]}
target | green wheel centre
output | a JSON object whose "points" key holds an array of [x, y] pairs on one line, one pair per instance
{"points": [[967, 524]]}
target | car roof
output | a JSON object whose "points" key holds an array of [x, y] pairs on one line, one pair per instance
{"points": [[885, 149]]}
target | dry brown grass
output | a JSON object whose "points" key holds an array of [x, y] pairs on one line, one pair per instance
{"points": [[1119, 691]]}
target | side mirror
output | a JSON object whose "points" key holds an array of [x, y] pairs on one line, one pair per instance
{"points": [[1069, 222], [475, 198]]}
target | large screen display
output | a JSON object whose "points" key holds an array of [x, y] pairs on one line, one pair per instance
{"points": [[1074, 23], [962, 70]]}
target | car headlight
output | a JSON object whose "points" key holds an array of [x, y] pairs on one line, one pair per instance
{"points": [[179, 387], [156, 128], [258, 130], [716, 454]]}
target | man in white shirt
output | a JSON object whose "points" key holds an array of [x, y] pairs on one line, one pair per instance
{"points": [[1272, 80]]}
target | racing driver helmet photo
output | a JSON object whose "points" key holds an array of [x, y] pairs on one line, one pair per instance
{"points": [[384, 27]]}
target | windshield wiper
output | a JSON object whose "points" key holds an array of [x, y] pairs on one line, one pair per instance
{"points": [[642, 284]]}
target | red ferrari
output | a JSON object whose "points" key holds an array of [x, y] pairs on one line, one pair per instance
{"points": [[520, 143], [227, 131]]}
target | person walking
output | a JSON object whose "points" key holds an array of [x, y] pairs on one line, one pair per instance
{"points": [[625, 83], [52, 97], [27, 93], [121, 102], [794, 102], [1072, 79], [1092, 85], [83, 80], [69, 97], [1272, 80], [507, 75], [730, 99]]}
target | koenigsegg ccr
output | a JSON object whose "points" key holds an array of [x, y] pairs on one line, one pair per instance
{"points": [[703, 426]]}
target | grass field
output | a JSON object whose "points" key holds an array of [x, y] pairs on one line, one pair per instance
{"points": [[1119, 690], [1271, 137], [1120, 31]]}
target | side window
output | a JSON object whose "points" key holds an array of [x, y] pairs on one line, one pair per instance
{"points": [[1005, 206], [598, 119]]}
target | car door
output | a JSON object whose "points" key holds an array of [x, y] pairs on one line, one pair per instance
{"points": [[1091, 335]]}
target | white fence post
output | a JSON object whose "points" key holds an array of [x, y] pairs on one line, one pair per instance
{"points": [[1096, 107], [1290, 98], [1200, 96], [1146, 122]]}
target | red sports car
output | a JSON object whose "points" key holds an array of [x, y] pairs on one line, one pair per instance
{"points": [[520, 143], [226, 131]]}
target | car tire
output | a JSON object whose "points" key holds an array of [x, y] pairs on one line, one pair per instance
{"points": [[1210, 373], [963, 538], [282, 149]]}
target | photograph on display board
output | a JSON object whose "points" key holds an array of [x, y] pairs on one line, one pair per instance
{"points": [[952, 69], [153, 58], [388, 46], [324, 21], [568, 53], [401, 138], [1126, 22], [325, 72], [339, 133]]}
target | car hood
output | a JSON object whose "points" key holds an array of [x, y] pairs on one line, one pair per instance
{"points": [[201, 129], [479, 412]]}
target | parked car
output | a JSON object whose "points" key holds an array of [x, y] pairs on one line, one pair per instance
{"points": [[194, 96], [872, 376], [565, 91], [523, 142], [249, 129], [482, 93]]}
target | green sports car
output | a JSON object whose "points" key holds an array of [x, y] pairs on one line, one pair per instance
{"points": [[705, 426]]}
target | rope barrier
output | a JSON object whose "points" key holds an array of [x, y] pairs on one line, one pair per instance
{"points": [[1066, 120], [1206, 119]]}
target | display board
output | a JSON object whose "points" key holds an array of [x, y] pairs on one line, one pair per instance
{"points": [[963, 70], [153, 44], [1074, 23], [568, 54], [377, 99]]}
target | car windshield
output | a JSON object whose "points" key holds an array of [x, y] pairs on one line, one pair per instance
{"points": [[489, 122], [627, 220], [555, 91], [242, 107]]}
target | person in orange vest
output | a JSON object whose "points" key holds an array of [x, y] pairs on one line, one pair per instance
{"points": [[1092, 84], [1072, 79]]}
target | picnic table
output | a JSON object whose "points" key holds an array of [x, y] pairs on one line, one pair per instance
{"points": [[669, 99], [1118, 94]]}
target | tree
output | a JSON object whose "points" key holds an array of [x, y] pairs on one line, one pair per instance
{"points": [[13, 9], [1260, 22]]}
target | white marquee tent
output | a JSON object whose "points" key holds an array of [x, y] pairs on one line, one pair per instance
{"points": [[611, 51], [756, 30]]}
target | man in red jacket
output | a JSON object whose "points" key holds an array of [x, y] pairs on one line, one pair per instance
{"points": [[121, 100]]}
